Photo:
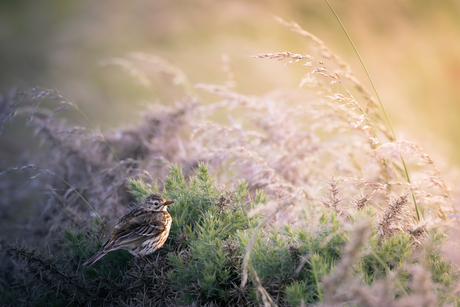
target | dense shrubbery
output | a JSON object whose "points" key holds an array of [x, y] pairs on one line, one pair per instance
{"points": [[203, 260]]}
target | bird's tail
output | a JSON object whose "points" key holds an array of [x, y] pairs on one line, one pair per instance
{"points": [[95, 258]]}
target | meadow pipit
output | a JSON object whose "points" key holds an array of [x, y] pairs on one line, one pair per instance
{"points": [[141, 231]]}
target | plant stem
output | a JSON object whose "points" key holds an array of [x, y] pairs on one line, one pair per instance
{"points": [[381, 104]]}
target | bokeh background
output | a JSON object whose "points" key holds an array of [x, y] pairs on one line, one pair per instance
{"points": [[411, 48]]}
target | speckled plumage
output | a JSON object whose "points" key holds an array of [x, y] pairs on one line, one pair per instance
{"points": [[141, 232]]}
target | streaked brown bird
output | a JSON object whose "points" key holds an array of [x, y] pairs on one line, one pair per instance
{"points": [[141, 232]]}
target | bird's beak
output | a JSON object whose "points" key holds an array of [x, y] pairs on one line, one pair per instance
{"points": [[169, 202]]}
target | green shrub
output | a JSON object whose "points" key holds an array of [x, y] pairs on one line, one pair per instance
{"points": [[202, 261]]}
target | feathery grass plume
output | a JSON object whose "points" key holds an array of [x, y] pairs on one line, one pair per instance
{"points": [[8, 107], [333, 199], [46, 171], [361, 202], [344, 268], [429, 186], [422, 294], [358, 119], [405, 283], [406, 171], [392, 217], [85, 165], [130, 69]]}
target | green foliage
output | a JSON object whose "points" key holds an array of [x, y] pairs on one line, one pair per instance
{"points": [[139, 189], [299, 293], [385, 255], [209, 217], [191, 199], [202, 263], [277, 255], [82, 244], [441, 269]]}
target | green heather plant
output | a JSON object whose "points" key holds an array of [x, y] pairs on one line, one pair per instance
{"points": [[322, 260]]}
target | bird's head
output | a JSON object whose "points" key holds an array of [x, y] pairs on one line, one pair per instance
{"points": [[156, 202]]}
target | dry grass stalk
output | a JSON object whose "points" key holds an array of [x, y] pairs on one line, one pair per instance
{"points": [[392, 217], [333, 199], [344, 268]]}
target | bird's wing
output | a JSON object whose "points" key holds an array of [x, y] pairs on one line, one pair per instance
{"points": [[135, 228]]}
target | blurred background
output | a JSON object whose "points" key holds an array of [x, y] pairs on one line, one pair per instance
{"points": [[411, 49]]}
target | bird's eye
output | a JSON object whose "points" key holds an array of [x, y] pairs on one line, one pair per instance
{"points": [[155, 203]]}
